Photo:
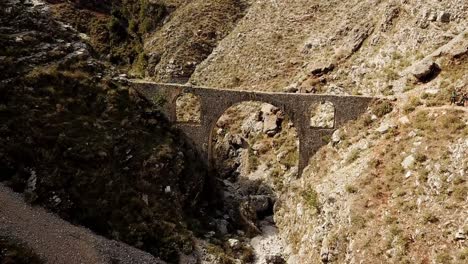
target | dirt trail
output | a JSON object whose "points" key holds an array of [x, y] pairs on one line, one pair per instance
{"points": [[57, 241]]}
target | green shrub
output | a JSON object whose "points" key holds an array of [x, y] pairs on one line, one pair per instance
{"points": [[351, 189], [311, 199], [159, 100], [382, 108], [429, 217]]}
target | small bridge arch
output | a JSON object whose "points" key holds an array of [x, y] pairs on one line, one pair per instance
{"points": [[214, 102]]}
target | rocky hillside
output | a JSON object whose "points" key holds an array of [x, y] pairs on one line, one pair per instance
{"points": [[392, 186], [388, 188], [77, 141]]}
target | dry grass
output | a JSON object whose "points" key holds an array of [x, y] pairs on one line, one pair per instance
{"points": [[383, 197]]}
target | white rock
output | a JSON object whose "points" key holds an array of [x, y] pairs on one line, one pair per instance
{"points": [[404, 120], [234, 243], [83, 36], [299, 210], [383, 128], [145, 198], [432, 91], [168, 189], [408, 162], [408, 174], [336, 136]]}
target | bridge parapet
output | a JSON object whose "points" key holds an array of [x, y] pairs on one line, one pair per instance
{"points": [[214, 102]]}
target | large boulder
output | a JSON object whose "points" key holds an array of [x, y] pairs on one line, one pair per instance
{"points": [[272, 118], [425, 70], [253, 124]]}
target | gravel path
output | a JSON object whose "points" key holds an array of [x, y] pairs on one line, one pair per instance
{"points": [[57, 241]]}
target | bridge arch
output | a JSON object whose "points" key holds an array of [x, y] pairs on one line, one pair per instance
{"points": [[187, 108], [261, 127], [322, 114]]}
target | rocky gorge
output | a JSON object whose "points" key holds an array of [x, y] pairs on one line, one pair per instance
{"points": [[77, 140]]}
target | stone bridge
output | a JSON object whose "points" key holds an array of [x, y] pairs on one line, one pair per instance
{"points": [[214, 102]]}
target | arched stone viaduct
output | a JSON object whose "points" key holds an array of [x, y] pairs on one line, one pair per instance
{"points": [[214, 102]]}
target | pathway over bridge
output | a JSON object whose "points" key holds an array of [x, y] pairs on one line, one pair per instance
{"points": [[214, 102]]}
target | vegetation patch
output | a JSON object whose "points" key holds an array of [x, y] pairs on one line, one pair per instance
{"points": [[12, 252], [311, 199], [115, 27], [382, 108]]}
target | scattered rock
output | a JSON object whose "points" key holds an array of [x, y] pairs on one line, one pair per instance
{"points": [[443, 17], [324, 251], [275, 259], [432, 16], [408, 174], [336, 136], [234, 243], [145, 198], [383, 128], [391, 13], [358, 35], [404, 120], [322, 68], [236, 141], [210, 234], [32, 181], [261, 147], [222, 121], [281, 155], [408, 162], [460, 235]]}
